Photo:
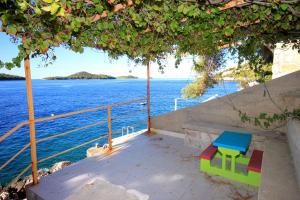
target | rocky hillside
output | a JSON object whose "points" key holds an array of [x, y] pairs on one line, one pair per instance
{"points": [[127, 77], [5, 77], [81, 75]]}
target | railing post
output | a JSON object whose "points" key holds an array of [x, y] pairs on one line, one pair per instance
{"points": [[148, 99], [31, 118], [109, 127]]}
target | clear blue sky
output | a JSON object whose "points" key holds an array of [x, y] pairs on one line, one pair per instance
{"points": [[91, 61]]}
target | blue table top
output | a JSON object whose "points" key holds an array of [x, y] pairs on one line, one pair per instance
{"points": [[233, 140]]}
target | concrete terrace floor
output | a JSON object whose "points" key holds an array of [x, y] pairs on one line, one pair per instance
{"points": [[157, 167]]}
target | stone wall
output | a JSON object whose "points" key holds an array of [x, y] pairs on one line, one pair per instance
{"points": [[202, 139], [222, 112], [286, 60], [294, 143]]}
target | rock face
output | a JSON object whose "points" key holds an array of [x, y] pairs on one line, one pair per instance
{"points": [[41, 172], [16, 190], [4, 195], [59, 166], [198, 139], [96, 151], [286, 60]]}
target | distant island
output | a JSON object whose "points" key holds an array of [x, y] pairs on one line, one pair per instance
{"points": [[7, 77], [87, 75], [127, 77], [81, 75]]}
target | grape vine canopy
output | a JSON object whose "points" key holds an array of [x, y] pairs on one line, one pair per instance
{"points": [[148, 30]]}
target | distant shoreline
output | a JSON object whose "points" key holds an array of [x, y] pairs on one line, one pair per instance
{"points": [[81, 75], [154, 79], [88, 76], [8, 77]]}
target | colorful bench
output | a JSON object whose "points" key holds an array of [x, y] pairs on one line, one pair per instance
{"points": [[209, 152], [253, 166], [255, 161]]}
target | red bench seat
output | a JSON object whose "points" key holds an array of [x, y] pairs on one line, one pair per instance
{"points": [[256, 161], [209, 152]]}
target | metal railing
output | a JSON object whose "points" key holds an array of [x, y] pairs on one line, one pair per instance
{"points": [[109, 134]]}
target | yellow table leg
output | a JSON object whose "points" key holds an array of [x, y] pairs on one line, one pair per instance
{"points": [[232, 154], [233, 164], [223, 161]]}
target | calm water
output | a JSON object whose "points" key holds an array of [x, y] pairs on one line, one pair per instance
{"points": [[56, 97]]}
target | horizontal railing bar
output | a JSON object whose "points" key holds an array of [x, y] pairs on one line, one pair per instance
{"points": [[70, 131], [13, 130], [128, 102], [69, 114], [3, 137], [14, 157], [21, 174], [127, 114], [73, 148], [47, 138]]}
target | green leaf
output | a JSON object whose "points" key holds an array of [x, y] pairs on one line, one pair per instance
{"points": [[285, 26], [78, 5], [215, 10], [54, 8], [185, 10], [23, 5], [37, 11], [46, 8], [11, 30], [4, 19], [61, 12], [174, 25], [257, 122], [99, 26], [180, 8], [277, 16], [110, 26], [44, 45], [268, 11], [156, 7], [122, 35], [48, 1], [228, 31], [99, 8], [262, 115], [284, 6], [255, 7], [221, 22]]}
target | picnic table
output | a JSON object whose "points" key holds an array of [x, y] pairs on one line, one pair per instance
{"points": [[233, 146]]}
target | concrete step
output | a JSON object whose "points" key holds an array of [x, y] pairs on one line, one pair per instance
{"points": [[278, 179]]}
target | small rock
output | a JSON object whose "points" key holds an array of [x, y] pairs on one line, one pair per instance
{"points": [[4, 195], [96, 151], [41, 173], [20, 185], [59, 166]]}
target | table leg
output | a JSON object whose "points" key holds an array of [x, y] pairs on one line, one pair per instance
{"points": [[230, 152], [223, 161], [233, 164]]}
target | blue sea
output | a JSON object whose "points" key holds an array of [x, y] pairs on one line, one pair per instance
{"points": [[61, 96]]}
